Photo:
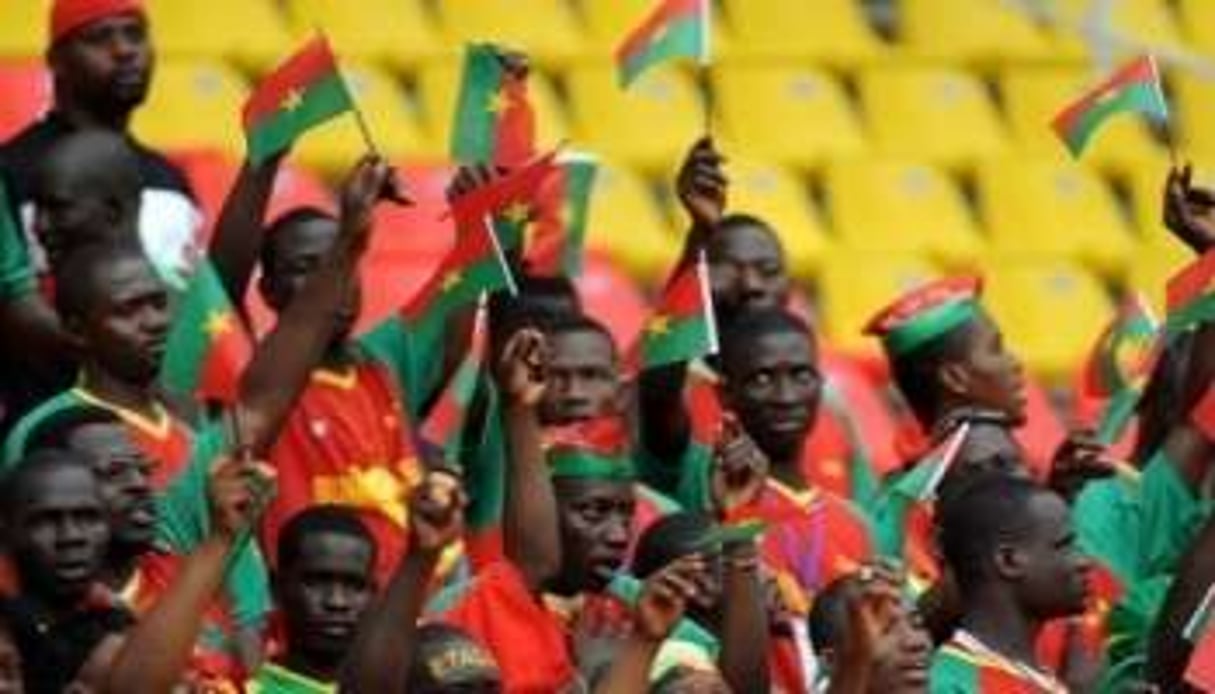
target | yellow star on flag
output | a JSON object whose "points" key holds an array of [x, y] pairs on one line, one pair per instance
{"points": [[450, 280], [497, 102], [658, 325], [219, 322], [517, 212], [294, 100]]}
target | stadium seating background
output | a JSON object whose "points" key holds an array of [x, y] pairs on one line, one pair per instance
{"points": [[887, 140]]}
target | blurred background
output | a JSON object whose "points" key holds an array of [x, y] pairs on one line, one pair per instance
{"points": [[887, 141]]}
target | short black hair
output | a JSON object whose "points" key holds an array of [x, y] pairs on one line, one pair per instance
{"points": [[56, 430], [917, 373], [978, 514], [669, 538], [829, 618], [292, 217], [739, 335], [334, 519], [568, 323], [77, 277], [539, 300], [738, 220], [33, 466]]}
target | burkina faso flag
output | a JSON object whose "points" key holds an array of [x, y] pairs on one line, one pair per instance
{"points": [[443, 427], [511, 201], [1119, 364], [299, 95], [563, 209], [682, 327], [673, 29], [1190, 297], [208, 345], [1135, 88], [494, 122]]}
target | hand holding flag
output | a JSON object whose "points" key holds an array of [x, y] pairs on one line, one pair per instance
{"points": [[1189, 211]]}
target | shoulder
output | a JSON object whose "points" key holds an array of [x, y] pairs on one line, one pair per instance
{"points": [[159, 172], [15, 444]]}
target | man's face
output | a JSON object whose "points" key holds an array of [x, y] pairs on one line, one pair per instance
{"points": [[70, 215], [583, 378], [596, 519], [107, 64], [324, 593], [903, 666], [126, 329], [124, 473], [994, 378], [58, 532], [1054, 574], [298, 251], [775, 391], [746, 270]]}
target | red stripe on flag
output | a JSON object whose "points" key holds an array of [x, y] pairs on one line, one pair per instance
{"points": [[1191, 282], [666, 13], [311, 63], [1140, 70], [682, 296], [1200, 672], [1203, 414], [520, 185]]}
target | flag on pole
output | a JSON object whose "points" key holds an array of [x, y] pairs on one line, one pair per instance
{"points": [[208, 345], [1119, 365], [511, 195], [443, 427], [673, 29], [556, 246], [494, 122], [302, 93], [1135, 88], [683, 327], [921, 483]]}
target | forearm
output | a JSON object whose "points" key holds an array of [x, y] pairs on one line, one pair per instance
{"points": [[630, 671], [1168, 649], [383, 649], [530, 536], [280, 367], [236, 244], [743, 659], [665, 427], [156, 652]]}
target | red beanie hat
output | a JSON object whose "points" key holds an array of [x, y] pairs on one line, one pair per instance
{"points": [[69, 15]]}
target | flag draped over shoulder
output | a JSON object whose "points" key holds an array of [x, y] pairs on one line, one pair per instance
{"points": [[494, 122], [673, 29], [1135, 88], [682, 327], [208, 345], [302, 93]]}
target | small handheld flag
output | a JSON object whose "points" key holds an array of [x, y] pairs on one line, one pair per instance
{"points": [[683, 327], [519, 187], [208, 345], [563, 212], [1135, 88], [302, 93], [921, 483], [444, 424], [1119, 365], [673, 29], [494, 122]]}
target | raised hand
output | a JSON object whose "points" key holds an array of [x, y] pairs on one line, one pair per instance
{"points": [[740, 468], [468, 179], [522, 369], [238, 491], [436, 508], [1189, 212], [1079, 459], [371, 181], [702, 185], [666, 596]]}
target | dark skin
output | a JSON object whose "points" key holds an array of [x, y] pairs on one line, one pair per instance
{"points": [[987, 377], [596, 518], [323, 594], [1168, 650], [102, 71], [583, 378]]}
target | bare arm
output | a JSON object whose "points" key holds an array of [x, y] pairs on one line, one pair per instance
{"points": [[238, 235], [530, 534], [1168, 650], [744, 649], [384, 647]]}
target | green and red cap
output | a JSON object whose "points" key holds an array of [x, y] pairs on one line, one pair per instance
{"points": [[926, 313], [591, 449]]}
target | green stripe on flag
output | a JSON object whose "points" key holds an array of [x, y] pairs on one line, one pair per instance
{"points": [[682, 340], [579, 180], [681, 38], [189, 341], [322, 100], [1141, 97], [473, 132]]}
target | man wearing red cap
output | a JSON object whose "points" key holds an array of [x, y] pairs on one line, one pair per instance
{"points": [[101, 62]]}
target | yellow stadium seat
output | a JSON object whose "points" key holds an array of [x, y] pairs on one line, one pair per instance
{"points": [[1194, 110], [251, 32], [1146, 188], [1139, 22], [891, 206], [546, 29], [854, 286], [336, 145], [830, 31], [937, 115], [607, 23], [1042, 209], [438, 87], [782, 200], [806, 118], [24, 28], [967, 31], [626, 223], [193, 104], [397, 33], [1153, 267], [1034, 95], [1198, 23], [648, 126], [1050, 313]]}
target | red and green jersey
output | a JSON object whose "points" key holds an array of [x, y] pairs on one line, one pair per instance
{"points": [[347, 441], [958, 669]]}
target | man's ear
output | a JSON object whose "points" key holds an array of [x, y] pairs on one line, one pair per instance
{"points": [[1009, 561], [954, 377]]}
